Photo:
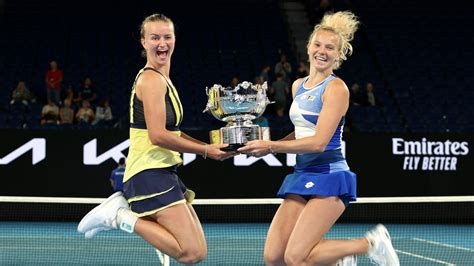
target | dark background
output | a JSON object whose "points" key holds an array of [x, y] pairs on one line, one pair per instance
{"points": [[63, 174], [417, 54]]}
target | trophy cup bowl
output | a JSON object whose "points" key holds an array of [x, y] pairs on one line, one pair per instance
{"points": [[237, 107]]}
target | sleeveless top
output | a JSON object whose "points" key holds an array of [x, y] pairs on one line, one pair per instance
{"points": [[304, 114], [142, 153]]}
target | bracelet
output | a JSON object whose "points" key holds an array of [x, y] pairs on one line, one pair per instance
{"points": [[271, 150], [205, 151]]}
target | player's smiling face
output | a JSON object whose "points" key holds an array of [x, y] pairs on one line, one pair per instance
{"points": [[323, 50], [159, 41]]}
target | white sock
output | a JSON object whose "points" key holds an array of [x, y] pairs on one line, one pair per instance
{"points": [[371, 243], [126, 220]]}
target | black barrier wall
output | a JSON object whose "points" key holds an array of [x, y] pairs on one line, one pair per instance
{"points": [[78, 164]]}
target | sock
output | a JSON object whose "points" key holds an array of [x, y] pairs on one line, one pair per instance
{"points": [[126, 220], [371, 243]]}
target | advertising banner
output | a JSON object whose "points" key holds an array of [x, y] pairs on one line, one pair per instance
{"points": [[74, 163]]}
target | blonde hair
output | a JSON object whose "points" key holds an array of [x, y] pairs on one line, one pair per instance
{"points": [[344, 24]]}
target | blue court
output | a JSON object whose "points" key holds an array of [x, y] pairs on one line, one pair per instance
{"points": [[37, 243]]}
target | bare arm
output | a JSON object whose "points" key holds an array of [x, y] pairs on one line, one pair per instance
{"points": [[186, 136], [151, 89], [290, 136], [335, 105]]}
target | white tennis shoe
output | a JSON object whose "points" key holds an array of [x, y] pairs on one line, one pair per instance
{"points": [[164, 259], [381, 250], [103, 217], [91, 233], [347, 261]]}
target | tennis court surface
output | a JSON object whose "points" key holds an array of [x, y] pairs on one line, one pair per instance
{"points": [[235, 233]]}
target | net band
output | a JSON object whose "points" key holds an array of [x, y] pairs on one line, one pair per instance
{"points": [[71, 200]]}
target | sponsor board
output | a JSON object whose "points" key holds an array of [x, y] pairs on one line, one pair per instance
{"points": [[78, 164]]}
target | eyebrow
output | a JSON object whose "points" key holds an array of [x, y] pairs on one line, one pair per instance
{"points": [[327, 44], [167, 34]]}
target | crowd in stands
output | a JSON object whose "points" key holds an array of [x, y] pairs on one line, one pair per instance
{"points": [[68, 107], [58, 108], [68, 84]]}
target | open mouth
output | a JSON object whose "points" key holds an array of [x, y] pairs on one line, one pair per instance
{"points": [[162, 54], [321, 59]]}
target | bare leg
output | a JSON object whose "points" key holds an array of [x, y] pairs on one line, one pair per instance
{"points": [[281, 228], [175, 231], [306, 247], [201, 237]]}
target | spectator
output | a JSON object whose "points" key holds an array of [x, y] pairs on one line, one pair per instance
{"points": [[266, 73], [302, 70], [21, 94], [54, 78], [103, 113], [50, 113], [85, 115], [279, 90], [66, 113], [356, 98], [71, 95], [116, 177], [370, 100], [283, 68], [88, 91]]}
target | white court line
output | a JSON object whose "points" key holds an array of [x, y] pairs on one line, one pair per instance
{"points": [[442, 244], [424, 258]]}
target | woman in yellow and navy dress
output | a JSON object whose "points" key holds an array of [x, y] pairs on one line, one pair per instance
{"points": [[322, 185], [160, 209]]}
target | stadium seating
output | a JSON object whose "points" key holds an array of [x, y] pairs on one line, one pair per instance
{"points": [[420, 71]]}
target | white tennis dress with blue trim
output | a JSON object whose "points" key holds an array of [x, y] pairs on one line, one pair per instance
{"points": [[318, 174]]}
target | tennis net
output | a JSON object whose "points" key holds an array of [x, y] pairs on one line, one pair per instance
{"points": [[425, 231]]}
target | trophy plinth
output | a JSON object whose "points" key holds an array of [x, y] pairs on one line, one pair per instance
{"points": [[237, 107]]}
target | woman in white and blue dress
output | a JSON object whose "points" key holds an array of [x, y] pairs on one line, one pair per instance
{"points": [[322, 185]]}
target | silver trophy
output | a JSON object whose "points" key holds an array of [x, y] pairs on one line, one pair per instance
{"points": [[237, 107]]}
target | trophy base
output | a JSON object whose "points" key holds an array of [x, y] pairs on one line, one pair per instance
{"points": [[236, 137], [232, 147]]}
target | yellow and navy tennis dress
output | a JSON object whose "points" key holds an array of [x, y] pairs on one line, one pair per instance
{"points": [[317, 174], [150, 181]]}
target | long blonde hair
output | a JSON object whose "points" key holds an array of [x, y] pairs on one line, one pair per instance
{"points": [[344, 24]]}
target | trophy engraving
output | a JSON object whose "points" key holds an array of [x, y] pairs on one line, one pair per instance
{"points": [[237, 107]]}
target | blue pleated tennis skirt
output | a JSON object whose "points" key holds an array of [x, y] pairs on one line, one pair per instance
{"points": [[152, 190], [307, 184]]}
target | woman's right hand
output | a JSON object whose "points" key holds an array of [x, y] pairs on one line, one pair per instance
{"points": [[214, 152]]}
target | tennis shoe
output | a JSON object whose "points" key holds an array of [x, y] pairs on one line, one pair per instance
{"points": [[103, 215], [164, 259], [381, 250], [91, 233], [347, 261]]}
